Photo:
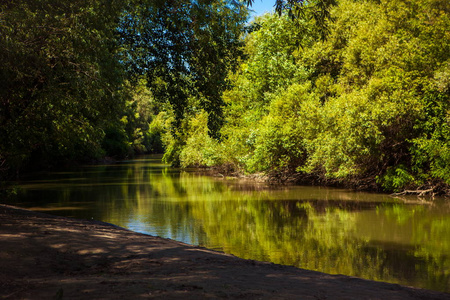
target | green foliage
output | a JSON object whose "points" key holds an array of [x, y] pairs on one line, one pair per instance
{"points": [[59, 79], [431, 150], [200, 149], [318, 10], [396, 178], [173, 145], [139, 113], [62, 91], [115, 142], [153, 137], [184, 49], [371, 101], [280, 144], [269, 70]]}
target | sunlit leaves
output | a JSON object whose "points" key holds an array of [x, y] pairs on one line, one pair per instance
{"points": [[375, 97], [317, 10]]}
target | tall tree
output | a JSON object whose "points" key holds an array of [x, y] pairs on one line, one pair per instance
{"points": [[59, 78], [185, 49]]}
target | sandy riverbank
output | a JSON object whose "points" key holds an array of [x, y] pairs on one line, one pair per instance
{"points": [[49, 257]]}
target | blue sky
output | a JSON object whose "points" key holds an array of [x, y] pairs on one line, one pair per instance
{"points": [[262, 6]]}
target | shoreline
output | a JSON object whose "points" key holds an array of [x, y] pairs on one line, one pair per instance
{"points": [[50, 257], [356, 184]]}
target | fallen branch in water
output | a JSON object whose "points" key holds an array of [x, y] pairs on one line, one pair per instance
{"points": [[419, 193]]}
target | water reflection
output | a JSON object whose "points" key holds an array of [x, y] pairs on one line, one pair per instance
{"points": [[335, 231]]}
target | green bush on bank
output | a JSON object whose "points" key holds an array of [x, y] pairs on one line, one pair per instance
{"points": [[372, 101]]}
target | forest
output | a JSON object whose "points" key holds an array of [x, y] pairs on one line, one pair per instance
{"points": [[349, 92]]}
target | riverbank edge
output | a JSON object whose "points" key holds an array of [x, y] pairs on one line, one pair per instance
{"points": [[428, 191], [45, 256]]}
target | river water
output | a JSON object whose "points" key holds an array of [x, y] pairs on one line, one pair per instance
{"points": [[372, 236]]}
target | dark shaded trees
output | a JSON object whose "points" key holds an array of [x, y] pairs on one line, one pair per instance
{"points": [[59, 79]]}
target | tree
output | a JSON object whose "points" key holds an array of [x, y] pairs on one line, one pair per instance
{"points": [[59, 79], [370, 105], [318, 10], [184, 49], [62, 69]]}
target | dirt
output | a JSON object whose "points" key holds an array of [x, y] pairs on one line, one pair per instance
{"points": [[49, 257]]}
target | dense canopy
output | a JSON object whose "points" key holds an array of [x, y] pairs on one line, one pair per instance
{"points": [[369, 106], [349, 91]]}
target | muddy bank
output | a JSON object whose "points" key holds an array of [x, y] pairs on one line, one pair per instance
{"points": [[48, 257]]}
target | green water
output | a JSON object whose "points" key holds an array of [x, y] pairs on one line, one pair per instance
{"points": [[371, 236]]}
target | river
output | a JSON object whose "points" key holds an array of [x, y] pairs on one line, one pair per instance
{"points": [[372, 236]]}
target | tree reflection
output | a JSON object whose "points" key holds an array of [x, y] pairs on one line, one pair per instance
{"points": [[332, 231]]}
